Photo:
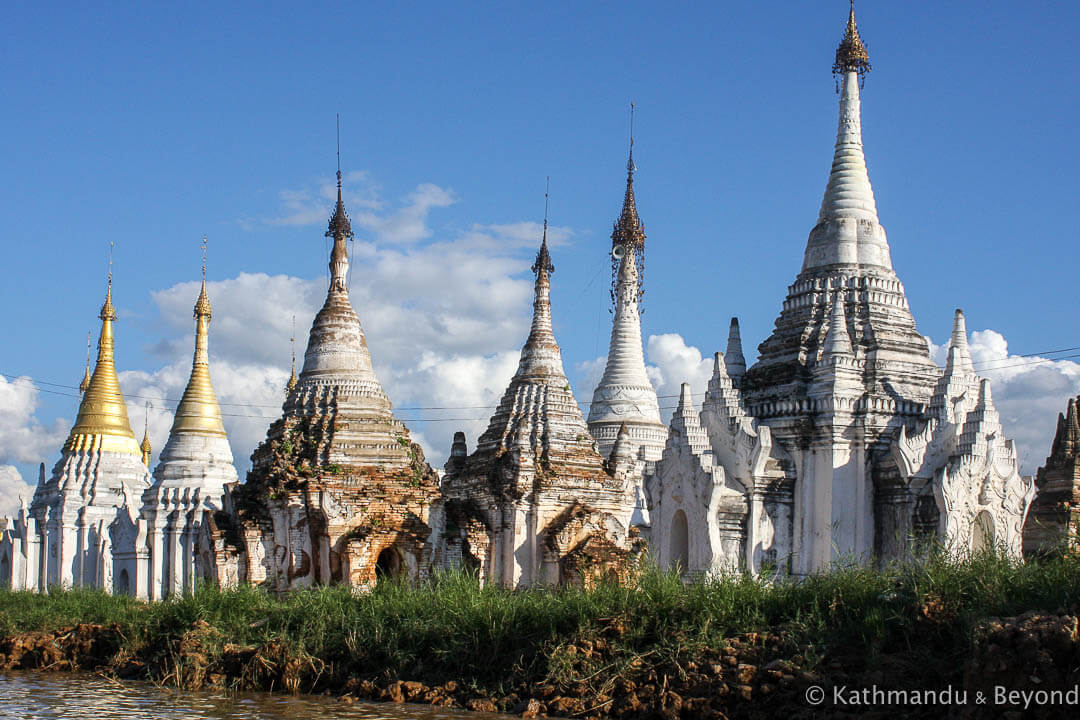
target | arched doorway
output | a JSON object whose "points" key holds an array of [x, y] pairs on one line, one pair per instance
{"points": [[983, 535], [123, 584], [389, 565], [680, 542], [5, 571]]}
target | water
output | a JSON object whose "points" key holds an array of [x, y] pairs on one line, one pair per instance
{"points": [[33, 695]]}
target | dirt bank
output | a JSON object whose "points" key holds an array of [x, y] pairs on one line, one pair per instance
{"points": [[755, 675]]}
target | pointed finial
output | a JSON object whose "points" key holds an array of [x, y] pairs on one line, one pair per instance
{"points": [[628, 230], [547, 191], [959, 357], [837, 339], [289, 386], [86, 375], [735, 360], [202, 304], [108, 312], [851, 56], [145, 446], [543, 258], [339, 221]]}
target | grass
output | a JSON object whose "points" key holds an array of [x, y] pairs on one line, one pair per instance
{"points": [[449, 629]]}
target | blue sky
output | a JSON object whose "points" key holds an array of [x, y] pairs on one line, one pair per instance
{"points": [[150, 126]]}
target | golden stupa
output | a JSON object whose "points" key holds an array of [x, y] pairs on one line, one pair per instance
{"points": [[102, 423]]}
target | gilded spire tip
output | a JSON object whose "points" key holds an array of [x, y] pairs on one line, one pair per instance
{"points": [[108, 312], [144, 447], [291, 384], [202, 304], [86, 374]]}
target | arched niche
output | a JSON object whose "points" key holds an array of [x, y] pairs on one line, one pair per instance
{"points": [[679, 542]]}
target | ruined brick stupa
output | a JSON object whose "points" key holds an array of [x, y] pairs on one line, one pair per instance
{"points": [[1053, 525], [536, 503], [338, 492], [844, 441]]}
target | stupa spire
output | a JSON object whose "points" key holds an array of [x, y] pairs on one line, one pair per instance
{"points": [[198, 411], [851, 55], [103, 420], [291, 384], [733, 356], [848, 193], [624, 393], [86, 374], [541, 354], [959, 357], [145, 446], [626, 361], [340, 229], [837, 339], [628, 231]]}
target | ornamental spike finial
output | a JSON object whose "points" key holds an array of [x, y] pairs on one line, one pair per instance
{"points": [[339, 221], [202, 304], [628, 235], [145, 447], [86, 375], [543, 257], [291, 384], [628, 229], [851, 55], [108, 312]]}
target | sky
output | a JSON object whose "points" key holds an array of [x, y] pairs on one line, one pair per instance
{"points": [[150, 126]]}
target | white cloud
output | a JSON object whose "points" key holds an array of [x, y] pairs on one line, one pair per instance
{"points": [[1029, 392], [408, 224], [468, 386], [12, 488], [518, 235], [252, 318], [23, 438], [314, 203], [444, 320], [673, 363], [250, 397]]}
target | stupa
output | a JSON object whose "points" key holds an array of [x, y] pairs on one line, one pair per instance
{"points": [[535, 503]]}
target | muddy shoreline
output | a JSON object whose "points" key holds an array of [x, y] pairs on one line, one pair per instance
{"points": [[755, 675]]}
